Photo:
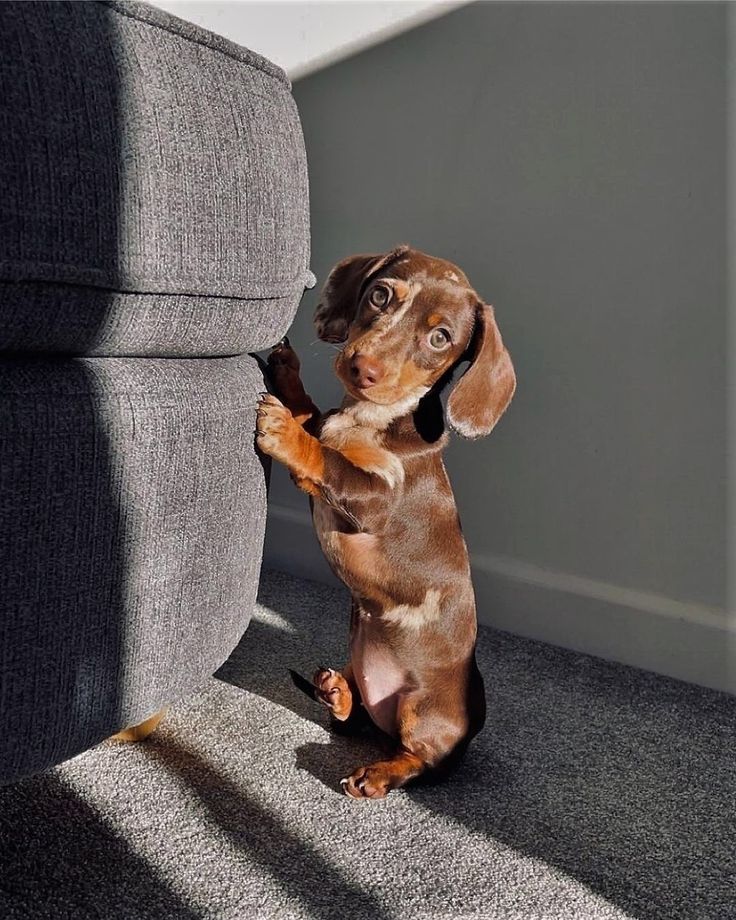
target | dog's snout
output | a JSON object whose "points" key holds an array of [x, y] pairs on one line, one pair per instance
{"points": [[364, 371]]}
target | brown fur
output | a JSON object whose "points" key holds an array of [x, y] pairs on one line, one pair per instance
{"points": [[382, 504], [143, 730]]}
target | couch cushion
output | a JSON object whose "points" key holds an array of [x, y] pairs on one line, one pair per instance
{"points": [[144, 156], [131, 531]]}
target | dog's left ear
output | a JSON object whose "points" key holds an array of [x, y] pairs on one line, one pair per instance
{"points": [[484, 391]]}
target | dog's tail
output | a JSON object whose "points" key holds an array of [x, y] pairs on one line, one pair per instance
{"points": [[301, 683]]}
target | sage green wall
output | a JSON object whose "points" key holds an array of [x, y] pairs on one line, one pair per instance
{"points": [[572, 159]]}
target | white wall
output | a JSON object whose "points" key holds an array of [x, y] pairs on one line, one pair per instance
{"points": [[303, 37]]}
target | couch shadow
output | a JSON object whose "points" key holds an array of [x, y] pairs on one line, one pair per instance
{"points": [[621, 779], [62, 527], [59, 858]]}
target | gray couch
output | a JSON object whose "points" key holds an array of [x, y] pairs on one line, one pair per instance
{"points": [[153, 231]]}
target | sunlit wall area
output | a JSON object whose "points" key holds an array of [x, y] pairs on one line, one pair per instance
{"points": [[572, 159]]}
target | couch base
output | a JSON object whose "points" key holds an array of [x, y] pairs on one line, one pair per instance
{"points": [[132, 513]]}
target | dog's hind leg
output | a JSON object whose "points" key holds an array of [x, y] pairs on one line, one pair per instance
{"points": [[431, 740]]}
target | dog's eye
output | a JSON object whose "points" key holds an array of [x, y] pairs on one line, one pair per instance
{"points": [[380, 296], [439, 339]]}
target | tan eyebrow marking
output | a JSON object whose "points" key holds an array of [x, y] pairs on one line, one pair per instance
{"points": [[405, 292], [401, 288], [434, 319]]}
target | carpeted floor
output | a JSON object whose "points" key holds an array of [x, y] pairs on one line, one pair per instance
{"points": [[595, 791]]}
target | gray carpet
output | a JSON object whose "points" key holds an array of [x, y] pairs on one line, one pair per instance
{"points": [[596, 791]]}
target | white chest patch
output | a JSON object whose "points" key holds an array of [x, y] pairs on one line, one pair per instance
{"points": [[357, 433]]}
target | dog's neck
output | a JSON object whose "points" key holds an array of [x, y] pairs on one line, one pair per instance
{"points": [[413, 426], [361, 413]]}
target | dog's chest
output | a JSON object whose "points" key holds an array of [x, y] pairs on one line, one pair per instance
{"points": [[356, 557], [363, 446]]}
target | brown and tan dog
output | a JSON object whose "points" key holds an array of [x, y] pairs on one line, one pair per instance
{"points": [[382, 504]]}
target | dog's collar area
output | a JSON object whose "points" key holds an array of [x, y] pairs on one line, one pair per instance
{"points": [[363, 413]]}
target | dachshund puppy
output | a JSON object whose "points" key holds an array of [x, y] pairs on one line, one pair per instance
{"points": [[382, 504]]}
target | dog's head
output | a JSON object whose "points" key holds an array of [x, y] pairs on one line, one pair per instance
{"points": [[407, 319]]}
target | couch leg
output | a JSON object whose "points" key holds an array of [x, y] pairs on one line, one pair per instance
{"points": [[139, 732]]}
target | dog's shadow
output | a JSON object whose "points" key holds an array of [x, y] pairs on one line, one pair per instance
{"points": [[286, 633], [297, 630], [291, 631], [338, 758], [342, 754]]}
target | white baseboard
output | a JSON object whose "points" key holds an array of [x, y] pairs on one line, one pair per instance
{"points": [[687, 641]]}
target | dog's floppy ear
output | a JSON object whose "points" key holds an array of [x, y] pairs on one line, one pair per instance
{"points": [[484, 391], [342, 290]]}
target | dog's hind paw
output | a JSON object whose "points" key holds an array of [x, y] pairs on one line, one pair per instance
{"points": [[334, 692]]}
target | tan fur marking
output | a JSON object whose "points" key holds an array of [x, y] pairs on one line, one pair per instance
{"points": [[429, 611], [309, 459], [307, 485], [411, 377], [142, 730], [375, 781], [410, 291], [402, 289]]}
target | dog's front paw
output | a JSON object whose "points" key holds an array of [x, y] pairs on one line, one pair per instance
{"points": [[284, 365], [283, 355], [276, 429]]}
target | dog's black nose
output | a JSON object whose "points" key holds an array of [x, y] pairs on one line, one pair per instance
{"points": [[364, 371]]}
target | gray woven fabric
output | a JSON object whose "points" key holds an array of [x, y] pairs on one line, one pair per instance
{"points": [[142, 155], [163, 20], [73, 319], [153, 205], [132, 512]]}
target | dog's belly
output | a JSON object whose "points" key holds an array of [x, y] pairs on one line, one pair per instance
{"points": [[380, 678], [356, 558]]}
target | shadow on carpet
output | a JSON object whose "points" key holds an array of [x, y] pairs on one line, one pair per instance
{"points": [[595, 792], [618, 777]]}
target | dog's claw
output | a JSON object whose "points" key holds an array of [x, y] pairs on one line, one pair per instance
{"points": [[282, 343]]}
